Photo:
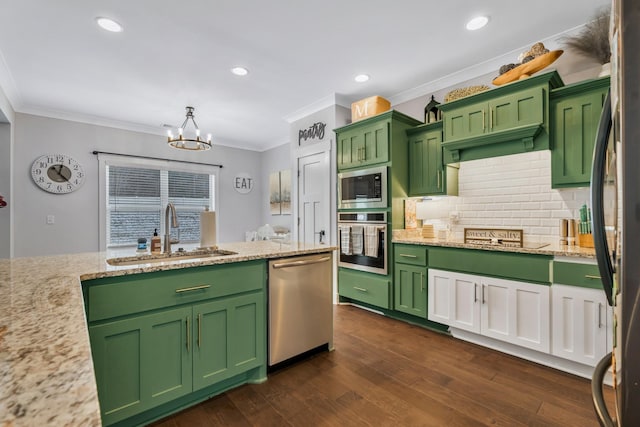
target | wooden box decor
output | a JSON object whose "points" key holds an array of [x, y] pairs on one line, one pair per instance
{"points": [[369, 107], [493, 236]]}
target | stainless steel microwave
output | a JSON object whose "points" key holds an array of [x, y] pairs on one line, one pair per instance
{"points": [[363, 189]]}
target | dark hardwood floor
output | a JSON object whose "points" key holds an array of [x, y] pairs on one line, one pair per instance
{"points": [[386, 372]]}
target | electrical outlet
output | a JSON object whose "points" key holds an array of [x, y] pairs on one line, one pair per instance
{"points": [[454, 216], [51, 219]]}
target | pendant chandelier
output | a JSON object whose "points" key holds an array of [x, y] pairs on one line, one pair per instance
{"points": [[185, 143]]}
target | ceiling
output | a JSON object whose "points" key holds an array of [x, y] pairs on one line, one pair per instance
{"points": [[56, 61]]}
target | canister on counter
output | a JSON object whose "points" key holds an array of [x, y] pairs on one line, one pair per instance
{"points": [[564, 231]]}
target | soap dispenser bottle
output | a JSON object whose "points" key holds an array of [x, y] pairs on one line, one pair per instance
{"points": [[156, 242]]}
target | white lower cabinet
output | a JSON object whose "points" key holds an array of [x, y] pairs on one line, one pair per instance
{"points": [[581, 324], [506, 310]]}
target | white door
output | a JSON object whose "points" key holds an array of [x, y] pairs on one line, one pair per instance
{"points": [[439, 296], [313, 198], [465, 300]]}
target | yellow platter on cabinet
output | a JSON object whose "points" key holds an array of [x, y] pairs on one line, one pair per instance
{"points": [[528, 68]]}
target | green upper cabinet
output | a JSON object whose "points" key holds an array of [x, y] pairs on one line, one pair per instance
{"points": [[506, 120], [428, 175], [373, 140], [575, 114], [364, 146]]}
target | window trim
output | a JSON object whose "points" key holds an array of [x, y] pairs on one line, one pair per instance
{"points": [[116, 160]]}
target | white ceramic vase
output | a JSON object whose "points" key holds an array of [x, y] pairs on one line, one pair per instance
{"points": [[606, 70]]}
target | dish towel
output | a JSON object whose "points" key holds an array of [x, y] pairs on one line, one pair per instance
{"points": [[357, 239], [345, 239], [371, 240]]}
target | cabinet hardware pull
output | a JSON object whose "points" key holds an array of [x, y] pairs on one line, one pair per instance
{"points": [[491, 120], [364, 153], [297, 263], [422, 281], [483, 119], [483, 300], [194, 288], [599, 315], [439, 178], [475, 292], [360, 289], [199, 329], [188, 334], [408, 256], [589, 276]]}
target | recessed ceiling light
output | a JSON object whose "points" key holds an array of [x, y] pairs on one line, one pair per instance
{"points": [[240, 71], [361, 78], [477, 23], [109, 24]]}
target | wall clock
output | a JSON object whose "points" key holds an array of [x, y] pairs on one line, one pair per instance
{"points": [[57, 173]]}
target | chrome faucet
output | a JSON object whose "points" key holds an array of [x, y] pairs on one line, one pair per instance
{"points": [[167, 226]]}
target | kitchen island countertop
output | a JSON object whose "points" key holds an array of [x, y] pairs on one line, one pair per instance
{"points": [[414, 237], [46, 370]]}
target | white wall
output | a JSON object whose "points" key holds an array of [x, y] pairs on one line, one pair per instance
{"points": [[76, 227], [511, 192], [274, 160], [7, 116]]}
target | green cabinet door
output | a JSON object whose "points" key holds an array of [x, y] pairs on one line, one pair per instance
{"points": [[410, 287], [229, 338], [141, 362], [574, 126], [427, 171], [466, 121], [363, 145], [521, 108]]}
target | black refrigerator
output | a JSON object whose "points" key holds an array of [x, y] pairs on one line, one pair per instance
{"points": [[615, 198]]}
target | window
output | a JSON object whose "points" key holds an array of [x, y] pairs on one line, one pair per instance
{"points": [[137, 196]]}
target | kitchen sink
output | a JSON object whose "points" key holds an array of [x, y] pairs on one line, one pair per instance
{"points": [[174, 257]]}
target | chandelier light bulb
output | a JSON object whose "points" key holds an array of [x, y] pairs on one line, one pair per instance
{"points": [[180, 132]]}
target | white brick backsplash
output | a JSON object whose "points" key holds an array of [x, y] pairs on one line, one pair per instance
{"points": [[513, 192]]}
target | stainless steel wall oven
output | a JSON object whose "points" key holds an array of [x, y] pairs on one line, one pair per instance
{"points": [[362, 237]]}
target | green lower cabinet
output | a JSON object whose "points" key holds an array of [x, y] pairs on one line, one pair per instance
{"points": [[410, 287], [141, 362], [227, 338]]}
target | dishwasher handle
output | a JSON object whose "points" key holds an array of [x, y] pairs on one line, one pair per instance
{"points": [[300, 263]]}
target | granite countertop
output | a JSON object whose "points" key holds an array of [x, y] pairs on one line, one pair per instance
{"points": [[414, 237], [46, 370]]}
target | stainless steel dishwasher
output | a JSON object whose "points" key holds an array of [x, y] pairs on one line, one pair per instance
{"points": [[300, 305]]}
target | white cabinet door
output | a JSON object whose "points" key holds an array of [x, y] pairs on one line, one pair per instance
{"points": [[516, 312], [580, 323], [453, 299]]}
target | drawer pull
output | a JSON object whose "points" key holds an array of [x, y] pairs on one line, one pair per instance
{"points": [[360, 289], [590, 276], [188, 334], [408, 256], [599, 315], [194, 288], [475, 292]]}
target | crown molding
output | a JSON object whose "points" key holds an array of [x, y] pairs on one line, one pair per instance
{"points": [[475, 71], [320, 104]]}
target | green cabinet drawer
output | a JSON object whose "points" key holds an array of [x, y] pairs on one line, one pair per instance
{"points": [[119, 296], [365, 287], [509, 265], [571, 273], [410, 254]]}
